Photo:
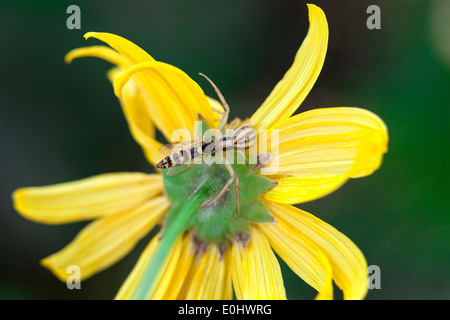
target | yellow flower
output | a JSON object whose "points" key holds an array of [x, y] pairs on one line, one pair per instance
{"points": [[317, 151]]}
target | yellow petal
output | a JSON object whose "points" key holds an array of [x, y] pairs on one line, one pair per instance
{"points": [[138, 118], [290, 92], [173, 98], [347, 262], [209, 278], [318, 150], [183, 276], [131, 52], [101, 52], [302, 256], [106, 240], [302, 189], [88, 198], [255, 270]]}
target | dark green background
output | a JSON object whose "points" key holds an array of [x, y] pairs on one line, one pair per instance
{"points": [[60, 123]]}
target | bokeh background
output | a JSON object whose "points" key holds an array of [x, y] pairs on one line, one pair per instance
{"points": [[60, 123]]}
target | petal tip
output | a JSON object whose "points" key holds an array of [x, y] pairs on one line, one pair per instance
{"points": [[16, 196], [68, 58], [312, 7], [50, 265], [89, 34], [118, 86]]}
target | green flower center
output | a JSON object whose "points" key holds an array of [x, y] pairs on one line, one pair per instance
{"points": [[218, 222]]}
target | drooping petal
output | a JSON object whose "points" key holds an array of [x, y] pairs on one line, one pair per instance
{"points": [[302, 256], [101, 52], [133, 102], [100, 195], [347, 262], [162, 95], [175, 100], [131, 52], [138, 118], [318, 150], [290, 92], [255, 270], [106, 240]]}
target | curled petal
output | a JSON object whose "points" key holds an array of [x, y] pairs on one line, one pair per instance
{"points": [[133, 102], [290, 92], [131, 52], [101, 52], [174, 99], [139, 121], [89, 198]]}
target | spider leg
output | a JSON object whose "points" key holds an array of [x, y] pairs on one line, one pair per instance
{"points": [[223, 121], [235, 123], [238, 194], [242, 153], [218, 111], [234, 177]]}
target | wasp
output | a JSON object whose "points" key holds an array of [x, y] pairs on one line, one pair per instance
{"points": [[181, 158]]}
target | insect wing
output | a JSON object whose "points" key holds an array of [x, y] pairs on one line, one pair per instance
{"points": [[169, 148], [175, 171]]}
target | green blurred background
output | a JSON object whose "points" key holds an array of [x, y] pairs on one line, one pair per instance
{"points": [[60, 123]]}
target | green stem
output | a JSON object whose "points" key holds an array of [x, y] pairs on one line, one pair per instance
{"points": [[178, 217]]}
